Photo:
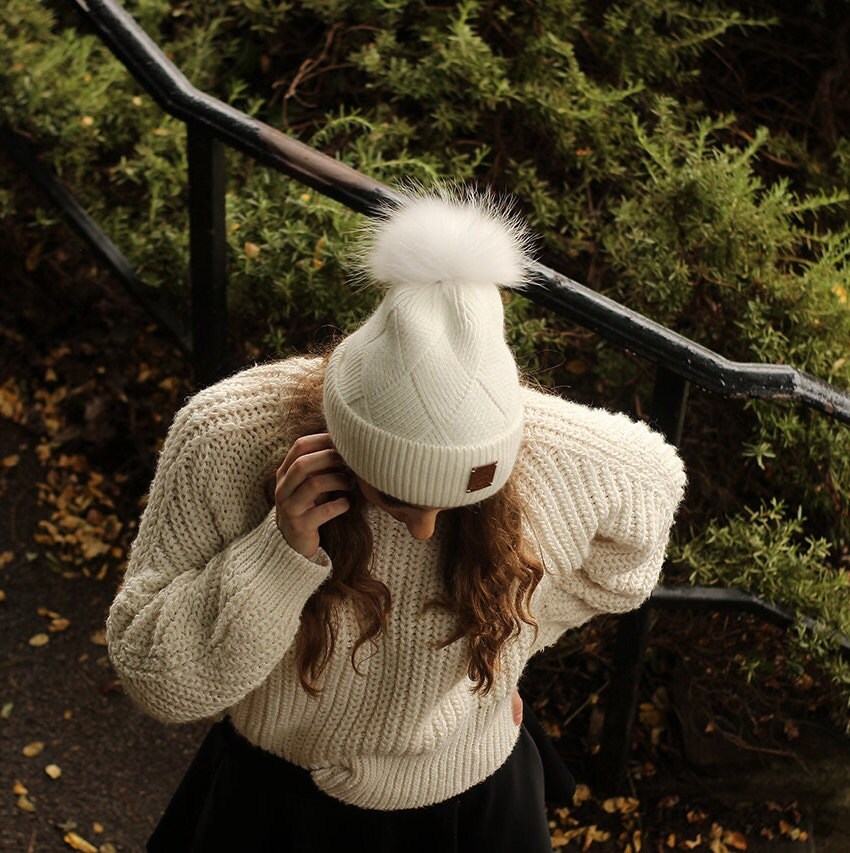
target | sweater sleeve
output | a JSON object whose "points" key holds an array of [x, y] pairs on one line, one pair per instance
{"points": [[605, 491], [634, 516], [201, 621]]}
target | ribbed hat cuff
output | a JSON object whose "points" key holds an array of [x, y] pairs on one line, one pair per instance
{"points": [[421, 474]]}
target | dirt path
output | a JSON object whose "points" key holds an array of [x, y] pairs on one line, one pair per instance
{"points": [[118, 767], [73, 427]]}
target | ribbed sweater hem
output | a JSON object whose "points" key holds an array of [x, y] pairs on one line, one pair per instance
{"points": [[391, 782]]}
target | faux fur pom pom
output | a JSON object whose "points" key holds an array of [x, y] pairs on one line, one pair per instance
{"points": [[446, 235]]}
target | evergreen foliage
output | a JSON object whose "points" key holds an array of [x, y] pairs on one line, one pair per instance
{"points": [[717, 211], [766, 549]]}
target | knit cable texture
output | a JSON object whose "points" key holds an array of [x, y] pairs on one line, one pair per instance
{"points": [[205, 620]]}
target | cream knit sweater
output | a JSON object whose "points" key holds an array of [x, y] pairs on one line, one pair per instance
{"points": [[205, 621]]}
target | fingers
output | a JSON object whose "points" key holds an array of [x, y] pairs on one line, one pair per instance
{"points": [[308, 483], [310, 455], [302, 531], [516, 707], [317, 516], [307, 444], [302, 468], [312, 491]]}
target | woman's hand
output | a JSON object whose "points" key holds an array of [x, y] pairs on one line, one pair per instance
{"points": [[516, 707], [303, 483]]}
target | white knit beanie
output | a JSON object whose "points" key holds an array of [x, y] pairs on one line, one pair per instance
{"points": [[423, 401]]}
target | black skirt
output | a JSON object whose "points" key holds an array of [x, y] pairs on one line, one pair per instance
{"points": [[236, 796]]}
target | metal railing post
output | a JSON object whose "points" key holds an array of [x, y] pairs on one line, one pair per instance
{"points": [[208, 250], [669, 400]]}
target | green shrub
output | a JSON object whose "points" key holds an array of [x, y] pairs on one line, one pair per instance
{"points": [[766, 549]]}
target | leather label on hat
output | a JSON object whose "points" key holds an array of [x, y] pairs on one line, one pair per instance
{"points": [[481, 477]]}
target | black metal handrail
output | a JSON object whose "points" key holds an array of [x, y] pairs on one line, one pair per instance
{"points": [[693, 362], [725, 600], [168, 86], [679, 361]]}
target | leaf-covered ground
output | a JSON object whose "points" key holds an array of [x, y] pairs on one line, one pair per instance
{"points": [[79, 413], [88, 386]]}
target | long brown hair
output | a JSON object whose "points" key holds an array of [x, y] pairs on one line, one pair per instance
{"points": [[489, 575]]}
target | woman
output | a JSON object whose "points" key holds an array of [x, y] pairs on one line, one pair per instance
{"points": [[347, 561]]}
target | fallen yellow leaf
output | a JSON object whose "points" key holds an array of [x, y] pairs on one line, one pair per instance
{"points": [[793, 832], [560, 838], [99, 637], [25, 805], [252, 250], [39, 640], [649, 714], [19, 787], [53, 771], [594, 834], [33, 258], [6, 557], [735, 839], [624, 805], [11, 405], [92, 548], [43, 611], [2, 595], [696, 815], [59, 624], [97, 827], [76, 842], [33, 748], [582, 794], [11, 461]]}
